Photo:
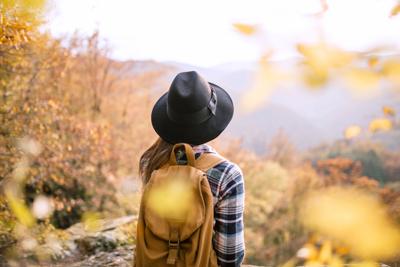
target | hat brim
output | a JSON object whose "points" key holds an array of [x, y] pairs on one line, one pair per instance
{"points": [[204, 132]]}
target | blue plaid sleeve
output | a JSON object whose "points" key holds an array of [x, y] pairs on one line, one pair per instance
{"points": [[228, 238]]}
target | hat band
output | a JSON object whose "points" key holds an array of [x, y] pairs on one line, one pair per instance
{"points": [[196, 117]]}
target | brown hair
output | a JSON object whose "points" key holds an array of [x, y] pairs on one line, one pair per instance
{"points": [[153, 158]]}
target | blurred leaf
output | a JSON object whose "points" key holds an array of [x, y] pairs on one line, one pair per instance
{"points": [[172, 199], [395, 10], [362, 79], [245, 29], [319, 60], [8, 3], [20, 210], [33, 4], [91, 221], [373, 61], [316, 78], [391, 70], [265, 81], [335, 262], [389, 111], [382, 124], [352, 131], [26, 5], [322, 56], [289, 263], [341, 250], [325, 255], [341, 213]]}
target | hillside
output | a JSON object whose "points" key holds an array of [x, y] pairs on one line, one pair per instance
{"points": [[309, 117]]}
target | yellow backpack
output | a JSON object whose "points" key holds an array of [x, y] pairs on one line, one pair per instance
{"points": [[175, 226]]}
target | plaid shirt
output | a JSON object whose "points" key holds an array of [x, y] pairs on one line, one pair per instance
{"points": [[227, 186]]}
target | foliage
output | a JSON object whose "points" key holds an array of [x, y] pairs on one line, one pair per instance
{"points": [[72, 131], [341, 213], [281, 150], [371, 157], [59, 156]]}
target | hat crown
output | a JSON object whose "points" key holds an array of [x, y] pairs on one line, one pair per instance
{"points": [[188, 93]]}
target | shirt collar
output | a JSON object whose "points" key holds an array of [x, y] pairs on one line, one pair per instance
{"points": [[204, 148]]}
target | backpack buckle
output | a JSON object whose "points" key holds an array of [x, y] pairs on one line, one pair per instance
{"points": [[173, 249], [172, 244]]}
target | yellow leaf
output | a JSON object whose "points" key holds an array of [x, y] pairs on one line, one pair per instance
{"points": [[335, 262], [33, 4], [342, 213], [381, 124], [91, 221], [172, 199], [362, 79], [389, 111], [325, 254], [315, 78], [319, 60], [245, 29], [8, 3], [395, 10], [265, 81], [373, 61], [341, 250], [289, 263], [352, 131], [322, 56], [391, 71], [20, 210]]}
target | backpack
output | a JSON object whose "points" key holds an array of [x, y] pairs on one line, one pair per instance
{"points": [[176, 217]]}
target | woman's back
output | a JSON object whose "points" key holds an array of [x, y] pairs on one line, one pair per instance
{"points": [[227, 186], [190, 114]]}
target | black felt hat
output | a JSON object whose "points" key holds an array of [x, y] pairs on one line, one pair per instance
{"points": [[193, 111]]}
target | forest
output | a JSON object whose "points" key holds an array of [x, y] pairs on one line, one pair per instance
{"points": [[74, 122]]}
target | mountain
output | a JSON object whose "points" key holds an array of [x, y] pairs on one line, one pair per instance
{"points": [[308, 117]]}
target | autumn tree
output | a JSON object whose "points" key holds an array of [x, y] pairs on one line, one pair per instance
{"points": [[281, 150]]}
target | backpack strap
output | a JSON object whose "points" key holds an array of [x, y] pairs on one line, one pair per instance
{"points": [[173, 246], [188, 151], [208, 160], [205, 162]]}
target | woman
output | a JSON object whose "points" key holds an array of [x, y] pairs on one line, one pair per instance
{"points": [[194, 112]]}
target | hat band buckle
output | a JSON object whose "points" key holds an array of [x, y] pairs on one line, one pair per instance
{"points": [[195, 117]]}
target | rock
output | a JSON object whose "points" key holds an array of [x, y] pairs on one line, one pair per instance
{"points": [[121, 257], [108, 235], [93, 244], [107, 246], [79, 230]]}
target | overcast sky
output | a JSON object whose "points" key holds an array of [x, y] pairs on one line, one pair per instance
{"points": [[201, 33]]}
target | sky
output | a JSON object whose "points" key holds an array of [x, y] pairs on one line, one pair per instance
{"points": [[201, 32]]}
